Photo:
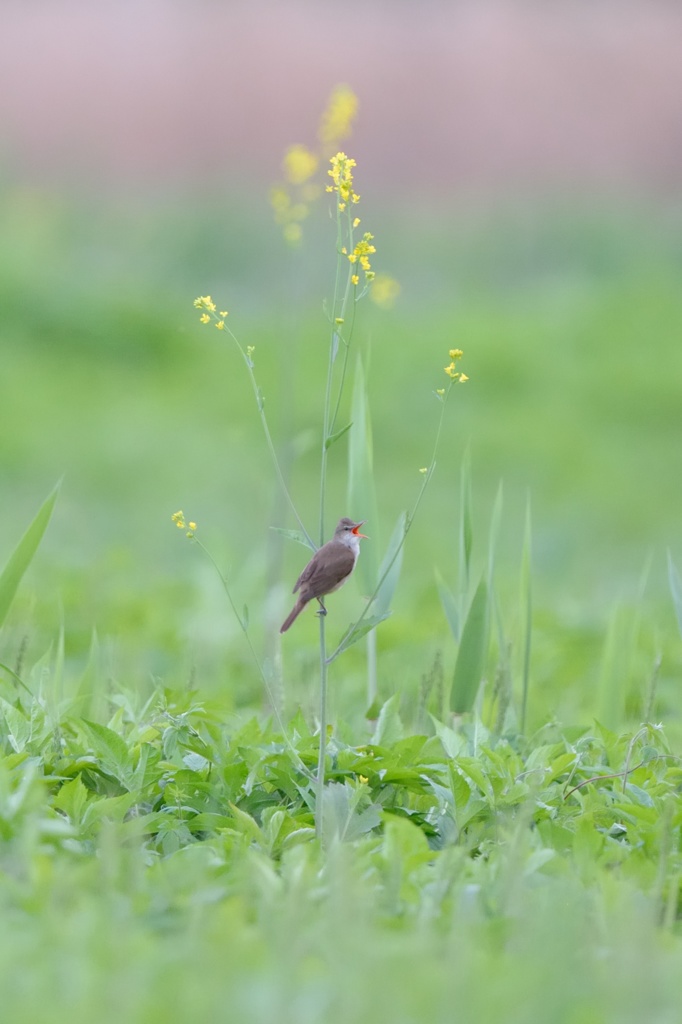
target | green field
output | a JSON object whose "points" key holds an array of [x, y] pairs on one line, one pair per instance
{"points": [[158, 851]]}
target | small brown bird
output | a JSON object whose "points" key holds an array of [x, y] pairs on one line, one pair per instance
{"points": [[328, 569]]}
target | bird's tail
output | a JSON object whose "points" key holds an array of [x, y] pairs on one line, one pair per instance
{"points": [[293, 615]]}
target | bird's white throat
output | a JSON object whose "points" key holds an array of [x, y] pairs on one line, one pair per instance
{"points": [[350, 540]]}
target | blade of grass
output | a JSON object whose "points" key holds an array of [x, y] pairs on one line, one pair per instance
{"points": [[527, 612], [466, 535], [675, 590], [471, 656], [22, 556]]}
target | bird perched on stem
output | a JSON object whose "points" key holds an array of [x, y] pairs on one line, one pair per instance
{"points": [[328, 569]]}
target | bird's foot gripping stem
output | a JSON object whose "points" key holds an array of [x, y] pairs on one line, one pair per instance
{"points": [[322, 609]]}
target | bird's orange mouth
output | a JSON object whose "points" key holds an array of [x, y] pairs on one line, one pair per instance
{"points": [[356, 530]]}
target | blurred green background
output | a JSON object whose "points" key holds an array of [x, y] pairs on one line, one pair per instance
{"points": [[531, 224], [570, 319]]}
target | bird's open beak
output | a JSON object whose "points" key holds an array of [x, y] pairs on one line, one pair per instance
{"points": [[356, 530]]}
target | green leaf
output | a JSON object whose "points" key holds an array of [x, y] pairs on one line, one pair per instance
{"points": [[246, 825], [343, 817], [493, 539], [389, 728], [72, 799], [296, 535], [472, 653], [527, 612], [18, 726], [675, 590], [355, 633], [112, 751], [335, 437], [449, 603], [391, 565], [465, 530], [21, 557]]}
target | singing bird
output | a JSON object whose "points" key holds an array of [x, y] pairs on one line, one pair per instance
{"points": [[328, 569]]}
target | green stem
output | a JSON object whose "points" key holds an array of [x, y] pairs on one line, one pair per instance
{"points": [[268, 438], [319, 786]]}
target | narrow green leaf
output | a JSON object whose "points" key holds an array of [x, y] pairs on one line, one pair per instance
{"points": [[389, 728], [493, 539], [296, 535], [245, 617], [465, 532], [355, 633], [449, 603], [675, 589], [335, 437], [21, 557], [527, 613], [393, 559], [471, 656]]}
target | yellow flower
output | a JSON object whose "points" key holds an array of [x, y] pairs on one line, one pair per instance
{"points": [[192, 526], [424, 469], [299, 164], [385, 290], [337, 120], [223, 312], [463, 377], [451, 371], [362, 251], [341, 174], [179, 519], [250, 349], [440, 391], [204, 318], [292, 233], [363, 779], [338, 320], [205, 302], [356, 222], [455, 353], [220, 325], [355, 279]]}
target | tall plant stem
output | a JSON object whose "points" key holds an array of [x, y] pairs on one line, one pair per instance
{"points": [[268, 438], [319, 786]]}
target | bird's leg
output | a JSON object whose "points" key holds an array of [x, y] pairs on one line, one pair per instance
{"points": [[323, 610]]}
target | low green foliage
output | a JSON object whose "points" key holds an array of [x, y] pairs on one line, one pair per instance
{"points": [[177, 841]]}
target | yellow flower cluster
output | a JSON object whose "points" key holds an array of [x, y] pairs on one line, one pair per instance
{"points": [[179, 520], [341, 174], [337, 121], [451, 370], [299, 164], [206, 303], [291, 199]]}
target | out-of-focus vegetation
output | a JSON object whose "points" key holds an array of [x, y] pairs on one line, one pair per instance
{"points": [[156, 851]]}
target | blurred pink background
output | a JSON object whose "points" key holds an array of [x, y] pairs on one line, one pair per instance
{"points": [[490, 96]]}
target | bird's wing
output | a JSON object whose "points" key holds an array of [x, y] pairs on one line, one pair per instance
{"points": [[326, 569]]}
